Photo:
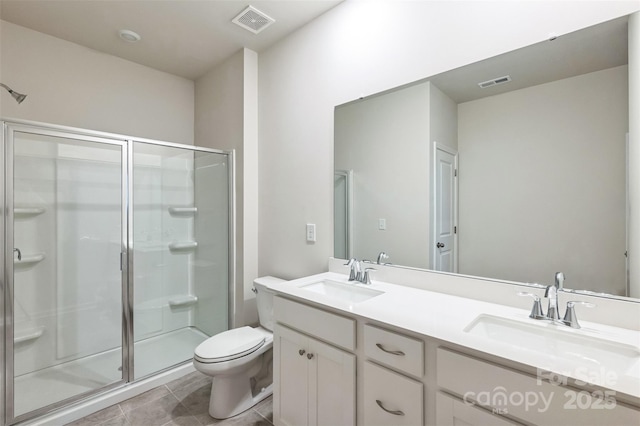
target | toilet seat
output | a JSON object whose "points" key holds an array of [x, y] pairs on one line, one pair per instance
{"points": [[229, 345]]}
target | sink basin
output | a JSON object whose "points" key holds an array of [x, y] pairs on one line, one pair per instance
{"points": [[351, 293], [553, 340]]}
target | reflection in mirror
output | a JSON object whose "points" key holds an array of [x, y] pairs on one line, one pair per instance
{"points": [[537, 165]]}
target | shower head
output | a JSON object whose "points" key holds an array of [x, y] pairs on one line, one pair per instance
{"points": [[19, 97]]}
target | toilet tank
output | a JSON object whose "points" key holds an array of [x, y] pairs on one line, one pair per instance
{"points": [[264, 300]]}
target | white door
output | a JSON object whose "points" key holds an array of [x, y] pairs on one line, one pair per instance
{"points": [[444, 209]]}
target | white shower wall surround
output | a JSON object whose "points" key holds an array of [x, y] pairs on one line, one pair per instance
{"points": [[74, 225]]}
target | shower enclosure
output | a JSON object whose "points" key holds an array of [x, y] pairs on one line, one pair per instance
{"points": [[118, 260]]}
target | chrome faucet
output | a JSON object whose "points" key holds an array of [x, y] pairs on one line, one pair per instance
{"points": [[382, 257], [553, 314], [354, 269], [356, 273], [551, 293]]}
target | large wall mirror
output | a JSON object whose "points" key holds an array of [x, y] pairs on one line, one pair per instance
{"points": [[512, 168]]}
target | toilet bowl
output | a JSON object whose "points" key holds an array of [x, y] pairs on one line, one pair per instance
{"points": [[240, 360]]}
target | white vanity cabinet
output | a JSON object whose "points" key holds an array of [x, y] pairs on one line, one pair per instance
{"points": [[488, 392], [314, 382], [420, 367]]}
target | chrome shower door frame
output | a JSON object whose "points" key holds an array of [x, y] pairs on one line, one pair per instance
{"points": [[9, 126], [231, 274], [9, 130]]}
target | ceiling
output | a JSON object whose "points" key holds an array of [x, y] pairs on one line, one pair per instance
{"points": [[588, 50], [182, 37]]}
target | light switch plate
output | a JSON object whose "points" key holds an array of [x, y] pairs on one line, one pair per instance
{"points": [[311, 232]]}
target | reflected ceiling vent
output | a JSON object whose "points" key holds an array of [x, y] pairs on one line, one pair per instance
{"points": [[253, 20], [495, 82]]}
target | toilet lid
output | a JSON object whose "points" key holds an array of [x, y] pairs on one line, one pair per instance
{"points": [[229, 345]]}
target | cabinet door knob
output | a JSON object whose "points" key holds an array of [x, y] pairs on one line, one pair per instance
{"points": [[394, 412], [309, 356], [301, 352]]}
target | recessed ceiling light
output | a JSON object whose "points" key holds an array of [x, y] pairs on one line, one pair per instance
{"points": [[129, 36]]}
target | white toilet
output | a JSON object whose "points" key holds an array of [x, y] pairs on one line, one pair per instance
{"points": [[240, 360]]}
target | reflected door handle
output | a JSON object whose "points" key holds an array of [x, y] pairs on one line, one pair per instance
{"points": [[440, 245]]}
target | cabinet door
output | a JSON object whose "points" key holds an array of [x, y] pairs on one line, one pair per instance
{"points": [[332, 387], [451, 411], [290, 374]]}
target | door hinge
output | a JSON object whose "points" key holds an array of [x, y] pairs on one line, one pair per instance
{"points": [[455, 172], [455, 229]]}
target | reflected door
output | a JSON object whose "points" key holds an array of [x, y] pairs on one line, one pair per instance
{"points": [[66, 229], [444, 241]]}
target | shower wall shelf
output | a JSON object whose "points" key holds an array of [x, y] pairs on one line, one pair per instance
{"points": [[183, 246], [28, 334], [29, 259], [27, 211], [183, 211], [180, 301]]}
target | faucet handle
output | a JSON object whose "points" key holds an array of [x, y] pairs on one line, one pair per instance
{"points": [[570, 317], [366, 277], [536, 311]]}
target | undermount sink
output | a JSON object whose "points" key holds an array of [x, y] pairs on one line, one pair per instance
{"points": [[351, 293], [550, 339]]}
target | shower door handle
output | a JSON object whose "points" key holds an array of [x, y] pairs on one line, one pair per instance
{"points": [[19, 253]]}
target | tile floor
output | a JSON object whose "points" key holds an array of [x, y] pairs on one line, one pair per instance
{"points": [[183, 402]]}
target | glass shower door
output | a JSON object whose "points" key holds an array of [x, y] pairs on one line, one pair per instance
{"points": [[66, 228], [180, 255]]}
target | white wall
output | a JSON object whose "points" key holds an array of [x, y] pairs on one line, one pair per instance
{"points": [[542, 183], [226, 118], [385, 141], [71, 85], [360, 48], [443, 121]]}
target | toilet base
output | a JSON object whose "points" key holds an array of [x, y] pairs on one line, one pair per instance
{"points": [[235, 398]]}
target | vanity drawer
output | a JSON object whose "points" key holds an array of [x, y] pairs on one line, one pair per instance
{"points": [[327, 326], [395, 350], [525, 397], [391, 398]]}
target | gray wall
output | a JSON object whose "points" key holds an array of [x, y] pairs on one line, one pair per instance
{"points": [[542, 182]]}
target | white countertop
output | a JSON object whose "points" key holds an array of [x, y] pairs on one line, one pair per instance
{"points": [[445, 317]]}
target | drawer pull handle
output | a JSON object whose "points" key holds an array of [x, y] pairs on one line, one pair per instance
{"points": [[309, 356], [399, 353], [301, 352], [394, 412]]}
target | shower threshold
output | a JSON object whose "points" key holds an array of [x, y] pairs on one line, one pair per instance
{"points": [[53, 384]]}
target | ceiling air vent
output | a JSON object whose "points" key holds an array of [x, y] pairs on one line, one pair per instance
{"points": [[494, 82], [253, 20]]}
